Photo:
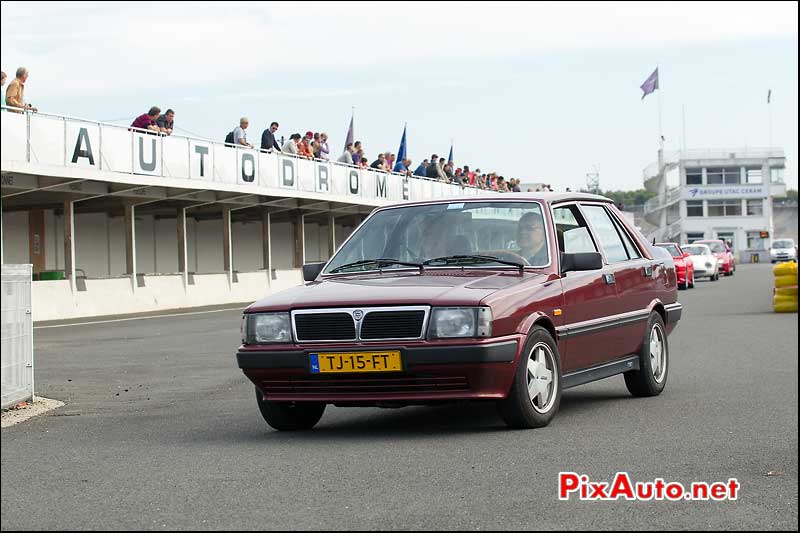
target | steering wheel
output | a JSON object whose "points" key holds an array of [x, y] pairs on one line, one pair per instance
{"points": [[507, 255]]}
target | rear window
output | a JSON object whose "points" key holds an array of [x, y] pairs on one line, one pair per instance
{"points": [[672, 249], [716, 247]]}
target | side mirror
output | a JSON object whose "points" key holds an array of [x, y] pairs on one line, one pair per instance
{"points": [[581, 261], [311, 271], [686, 255]]}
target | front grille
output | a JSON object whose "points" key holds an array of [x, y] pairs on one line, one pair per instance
{"points": [[325, 327], [364, 386], [393, 325]]}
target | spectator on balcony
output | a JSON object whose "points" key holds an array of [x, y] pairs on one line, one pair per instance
{"points": [[430, 172], [362, 163], [268, 141], [448, 172], [291, 146], [240, 135], [15, 93], [422, 169], [147, 121], [321, 150], [347, 155], [357, 153], [309, 137], [403, 167], [380, 163], [304, 148], [166, 122], [390, 160]]}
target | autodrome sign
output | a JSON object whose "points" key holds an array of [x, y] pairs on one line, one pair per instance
{"points": [[112, 148], [738, 191]]}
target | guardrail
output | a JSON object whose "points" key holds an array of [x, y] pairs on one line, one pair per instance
{"points": [[68, 142]]}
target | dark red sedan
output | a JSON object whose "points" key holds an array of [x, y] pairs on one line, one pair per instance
{"points": [[510, 298], [684, 267], [723, 252]]}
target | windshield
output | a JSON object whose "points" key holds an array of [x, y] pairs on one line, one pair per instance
{"points": [[455, 233], [671, 248], [696, 250], [716, 247], [783, 244]]}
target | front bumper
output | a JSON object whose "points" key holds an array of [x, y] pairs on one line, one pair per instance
{"points": [[482, 370]]}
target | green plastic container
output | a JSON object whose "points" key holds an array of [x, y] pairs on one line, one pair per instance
{"points": [[51, 275]]}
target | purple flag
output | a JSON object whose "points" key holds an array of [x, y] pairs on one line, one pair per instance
{"points": [[650, 84], [349, 139]]}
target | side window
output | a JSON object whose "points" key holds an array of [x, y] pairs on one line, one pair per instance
{"points": [[606, 233], [572, 231], [630, 247]]}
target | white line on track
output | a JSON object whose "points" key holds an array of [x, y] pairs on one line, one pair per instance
{"points": [[137, 318]]}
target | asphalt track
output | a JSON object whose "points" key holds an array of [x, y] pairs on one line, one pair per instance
{"points": [[161, 431]]}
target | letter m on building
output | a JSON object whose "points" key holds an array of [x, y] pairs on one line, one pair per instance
{"points": [[380, 186]]}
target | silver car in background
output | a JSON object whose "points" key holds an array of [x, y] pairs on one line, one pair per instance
{"points": [[706, 264], [782, 250]]}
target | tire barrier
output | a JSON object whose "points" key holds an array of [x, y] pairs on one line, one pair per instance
{"points": [[784, 299]]}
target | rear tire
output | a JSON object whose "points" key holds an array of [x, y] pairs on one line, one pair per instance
{"points": [[646, 381], [289, 416], [533, 401]]}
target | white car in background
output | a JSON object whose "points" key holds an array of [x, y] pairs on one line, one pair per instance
{"points": [[706, 264], [782, 250]]}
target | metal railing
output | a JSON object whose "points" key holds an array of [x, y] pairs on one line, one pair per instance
{"points": [[17, 334], [659, 202]]}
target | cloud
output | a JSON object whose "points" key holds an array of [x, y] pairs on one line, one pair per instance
{"points": [[114, 47]]}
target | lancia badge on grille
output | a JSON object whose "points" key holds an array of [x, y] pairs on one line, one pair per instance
{"points": [[358, 314]]}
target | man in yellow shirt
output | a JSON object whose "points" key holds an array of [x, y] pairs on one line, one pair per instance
{"points": [[16, 90]]}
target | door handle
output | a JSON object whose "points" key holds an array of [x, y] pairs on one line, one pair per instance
{"points": [[609, 279]]}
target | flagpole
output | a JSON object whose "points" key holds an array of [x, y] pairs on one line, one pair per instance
{"points": [[683, 112], [660, 131], [769, 112]]}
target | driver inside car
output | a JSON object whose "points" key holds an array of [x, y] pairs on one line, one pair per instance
{"points": [[531, 239]]}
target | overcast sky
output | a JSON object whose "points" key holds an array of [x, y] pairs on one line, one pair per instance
{"points": [[541, 91]]}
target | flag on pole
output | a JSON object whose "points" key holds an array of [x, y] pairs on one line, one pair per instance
{"points": [[769, 95], [401, 152], [650, 84], [450, 157], [349, 139]]}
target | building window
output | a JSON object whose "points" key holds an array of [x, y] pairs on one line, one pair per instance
{"points": [[776, 174], [694, 208], [694, 176], [732, 175], [755, 208], [714, 176], [755, 242], [724, 208], [691, 237], [753, 174]]}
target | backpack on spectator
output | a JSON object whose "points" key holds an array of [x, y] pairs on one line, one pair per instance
{"points": [[229, 137]]}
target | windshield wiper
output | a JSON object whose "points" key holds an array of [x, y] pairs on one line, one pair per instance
{"points": [[378, 262], [486, 258]]}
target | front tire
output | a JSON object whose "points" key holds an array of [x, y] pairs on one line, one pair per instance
{"points": [[651, 377], [289, 416], [691, 285], [536, 391]]}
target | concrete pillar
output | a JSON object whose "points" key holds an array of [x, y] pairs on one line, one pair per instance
{"points": [[182, 255], [331, 235], [130, 244], [266, 242], [298, 225], [69, 243], [36, 240], [227, 258]]}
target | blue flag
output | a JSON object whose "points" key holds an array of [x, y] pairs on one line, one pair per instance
{"points": [[450, 157], [401, 152], [650, 84]]}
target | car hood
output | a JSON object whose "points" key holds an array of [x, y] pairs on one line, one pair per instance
{"points": [[701, 260], [782, 250], [432, 287]]}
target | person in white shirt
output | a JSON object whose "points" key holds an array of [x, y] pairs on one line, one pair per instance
{"points": [[290, 146], [239, 135]]}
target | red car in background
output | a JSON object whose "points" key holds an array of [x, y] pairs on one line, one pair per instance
{"points": [[723, 253], [684, 267]]}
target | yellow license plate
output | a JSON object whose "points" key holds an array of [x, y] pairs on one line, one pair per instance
{"points": [[325, 363]]}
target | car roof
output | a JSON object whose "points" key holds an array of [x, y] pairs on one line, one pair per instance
{"points": [[710, 240], [547, 197]]}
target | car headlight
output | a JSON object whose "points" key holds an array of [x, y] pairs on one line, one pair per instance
{"points": [[459, 322], [266, 328]]}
